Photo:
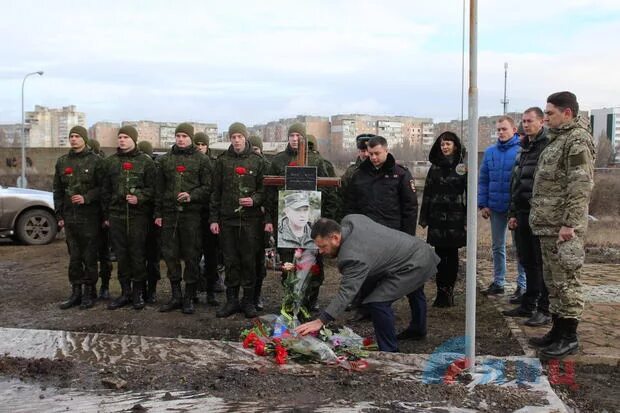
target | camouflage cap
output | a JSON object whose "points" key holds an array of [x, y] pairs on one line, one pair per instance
{"points": [[297, 200]]}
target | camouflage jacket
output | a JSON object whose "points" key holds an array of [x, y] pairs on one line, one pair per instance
{"points": [[329, 200], [237, 176], [78, 174], [182, 170], [563, 180], [128, 173]]}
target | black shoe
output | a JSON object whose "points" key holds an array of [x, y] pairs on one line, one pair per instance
{"points": [[87, 297], [232, 303], [104, 293], [247, 303], [74, 299], [125, 297], [538, 319], [138, 295], [566, 343], [517, 297], [410, 334], [548, 338], [493, 289], [150, 293], [176, 301], [445, 297], [518, 312]]}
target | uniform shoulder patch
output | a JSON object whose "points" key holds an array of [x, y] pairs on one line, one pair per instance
{"points": [[412, 185], [577, 159]]}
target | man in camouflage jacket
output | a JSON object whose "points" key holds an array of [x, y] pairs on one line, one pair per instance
{"points": [[563, 183], [183, 186], [128, 190], [77, 177], [236, 215]]}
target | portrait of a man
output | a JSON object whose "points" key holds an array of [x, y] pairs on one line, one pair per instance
{"points": [[299, 210]]}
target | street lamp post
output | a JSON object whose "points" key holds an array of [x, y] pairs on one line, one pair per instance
{"points": [[22, 181]]}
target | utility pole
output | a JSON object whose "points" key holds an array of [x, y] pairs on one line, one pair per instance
{"points": [[505, 100]]}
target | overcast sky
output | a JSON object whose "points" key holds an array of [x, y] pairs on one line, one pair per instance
{"points": [[256, 61]]}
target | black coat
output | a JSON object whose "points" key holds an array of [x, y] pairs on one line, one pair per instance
{"points": [[386, 195], [444, 199], [523, 173]]}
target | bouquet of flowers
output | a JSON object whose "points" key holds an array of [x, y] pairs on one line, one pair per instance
{"points": [[298, 275], [245, 189]]}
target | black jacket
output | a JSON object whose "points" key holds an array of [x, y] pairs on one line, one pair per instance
{"points": [[523, 173], [386, 195], [444, 199]]}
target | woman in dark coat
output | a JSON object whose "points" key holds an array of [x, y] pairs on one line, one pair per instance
{"points": [[444, 211]]}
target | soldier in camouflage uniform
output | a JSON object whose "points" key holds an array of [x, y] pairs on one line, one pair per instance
{"points": [[236, 214], [77, 178], [103, 255], [183, 186], [127, 194], [563, 183], [208, 276], [261, 271], [153, 241], [362, 154], [329, 203]]}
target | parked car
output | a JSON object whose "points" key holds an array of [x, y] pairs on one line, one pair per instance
{"points": [[27, 215]]}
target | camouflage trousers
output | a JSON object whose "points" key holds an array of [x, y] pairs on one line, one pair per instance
{"points": [[129, 243], [181, 240], [562, 265], [240, 244], [105, 265], [83, 245]]}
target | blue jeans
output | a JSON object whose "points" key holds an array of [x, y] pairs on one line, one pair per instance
{"points": [[499, 224]]}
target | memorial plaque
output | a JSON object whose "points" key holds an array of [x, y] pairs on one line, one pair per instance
{"points": [[301, 178]]}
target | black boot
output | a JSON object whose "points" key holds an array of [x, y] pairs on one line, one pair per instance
{"points": [[566, 343], [137, 295], [258, 300], [104, 290], [211, 300], [124, 298], [151, 292], [188, 299], [247, 303], [176, 301], [87, 297], [74, 299], [232, 303], [445, 297], [548, 338]]}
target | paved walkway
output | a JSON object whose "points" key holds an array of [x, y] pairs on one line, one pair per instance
{"points": [[598, 330]]}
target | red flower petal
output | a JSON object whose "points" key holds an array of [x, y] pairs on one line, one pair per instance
{"points": [[292, 163], [68, 170], [127, 166], [181, 168], [240, 170]]}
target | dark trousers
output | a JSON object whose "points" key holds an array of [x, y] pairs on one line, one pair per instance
{"points": [[530, 257], [209, 276], [417, 305], [83, 244], [129, 243], [153, 252], [181, 240], [239, 245], [103, 255], [448, 267]]}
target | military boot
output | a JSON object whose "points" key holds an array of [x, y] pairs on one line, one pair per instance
{"points": [[137, 295], [104, 290], [124, 298], [232, 303], [87, 297], [548, 338], [566, 342], [247, 303], [188, 299], [444, 298], [258, 299], [150, 294], [176, 301], [74, 299]]}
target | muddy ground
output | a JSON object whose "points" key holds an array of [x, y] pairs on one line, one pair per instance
{"points": [[34, 281]]}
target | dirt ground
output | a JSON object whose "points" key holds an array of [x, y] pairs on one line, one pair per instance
{"points": [[34, 281]]}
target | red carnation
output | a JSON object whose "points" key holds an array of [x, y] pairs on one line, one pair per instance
{"points": [[281, 354], [315, 269], [68, 170], [259, 348], [181, 168], [368, 341], [292, 163], [250, 339], [127, 166], [240, 170]]}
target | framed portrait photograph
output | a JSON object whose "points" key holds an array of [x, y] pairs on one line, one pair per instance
{"points": [[297, 211]]}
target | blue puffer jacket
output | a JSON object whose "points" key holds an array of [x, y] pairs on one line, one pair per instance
{"points": [[495, 174]]}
